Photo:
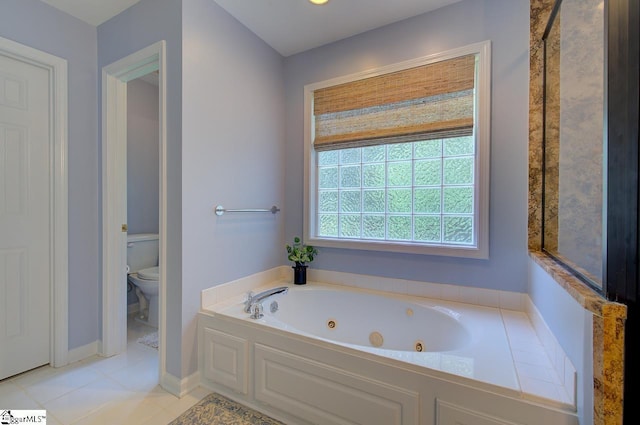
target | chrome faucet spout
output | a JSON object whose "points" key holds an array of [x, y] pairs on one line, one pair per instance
{"points": [[253, 299]]}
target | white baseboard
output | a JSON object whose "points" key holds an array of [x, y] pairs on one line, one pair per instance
{"points": [[180, 387], [81, 353]]}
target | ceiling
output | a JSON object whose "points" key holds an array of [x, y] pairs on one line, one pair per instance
{"points": [[289, 26], [293, 26], [93, 12]]}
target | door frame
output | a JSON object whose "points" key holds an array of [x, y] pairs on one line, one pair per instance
{"points": [[114, 189], [58, 188]]}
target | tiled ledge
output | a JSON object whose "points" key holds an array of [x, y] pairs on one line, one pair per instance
{"points": [[505, 300], [544, 372], [608, 341]]}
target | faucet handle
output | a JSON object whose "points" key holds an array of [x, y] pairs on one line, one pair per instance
{"points": [[257, 311], [247, 301]]}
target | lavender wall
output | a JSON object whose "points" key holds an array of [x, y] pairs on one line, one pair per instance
{"points": [[42, 27], [506, 24], [237, 95], [142, 25], [232, 151], [142, 157]]}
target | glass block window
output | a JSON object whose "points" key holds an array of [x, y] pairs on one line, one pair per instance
{"points": [[420, 192], [397, 158]]}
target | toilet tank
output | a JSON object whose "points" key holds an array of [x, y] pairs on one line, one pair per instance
{"points": [[142, 251]]}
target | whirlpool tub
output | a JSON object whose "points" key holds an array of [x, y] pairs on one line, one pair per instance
{"points": [[326, 354]]}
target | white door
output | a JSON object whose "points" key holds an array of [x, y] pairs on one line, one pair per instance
{"points": [[25, 216]]}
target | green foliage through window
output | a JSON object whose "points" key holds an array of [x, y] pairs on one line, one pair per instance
{"points": [[422, 192]]}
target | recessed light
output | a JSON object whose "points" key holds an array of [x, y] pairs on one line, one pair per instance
{"points": [[318, 1]]}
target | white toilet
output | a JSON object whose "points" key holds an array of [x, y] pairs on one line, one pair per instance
{"points": [[142, 261]]}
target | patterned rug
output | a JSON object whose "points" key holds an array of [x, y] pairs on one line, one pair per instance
{"points": [[150, 340], [215, 409]]}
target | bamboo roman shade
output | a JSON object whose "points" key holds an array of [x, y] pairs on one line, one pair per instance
{"points": [[422, 103]]}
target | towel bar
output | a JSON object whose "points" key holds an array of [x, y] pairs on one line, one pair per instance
{"points": [[220, 210]]}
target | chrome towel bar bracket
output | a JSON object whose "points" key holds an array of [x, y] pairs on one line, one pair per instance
{"points": [[220, 210]]}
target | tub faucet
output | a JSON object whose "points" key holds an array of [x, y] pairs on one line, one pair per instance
{"points": [[253, 299]]}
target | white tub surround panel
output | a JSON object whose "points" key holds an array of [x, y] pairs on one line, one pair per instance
{"points": [[482, 354], [299, 376], [542, 370], [304, 380]]}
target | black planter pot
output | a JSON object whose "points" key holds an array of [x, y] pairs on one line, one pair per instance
{"points": [[299, 275]]}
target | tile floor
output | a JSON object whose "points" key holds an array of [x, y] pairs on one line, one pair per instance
{"points": [[121, 389]]}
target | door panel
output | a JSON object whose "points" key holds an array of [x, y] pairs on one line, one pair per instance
{"points": [[25, 212]]}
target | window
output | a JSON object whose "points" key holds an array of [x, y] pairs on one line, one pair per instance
{"points": [[397, 158]]}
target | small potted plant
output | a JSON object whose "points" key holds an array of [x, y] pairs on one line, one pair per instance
{"points": [[300, 254]]}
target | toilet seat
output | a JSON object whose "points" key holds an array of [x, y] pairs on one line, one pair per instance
{"points": [[151, 273]]}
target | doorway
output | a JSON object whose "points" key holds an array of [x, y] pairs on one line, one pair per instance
{"points": [[142, 208], [33, 209], [114, 193]]}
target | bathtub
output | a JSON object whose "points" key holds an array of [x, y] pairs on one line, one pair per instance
{"points": [[326, 354], [352, 318]]}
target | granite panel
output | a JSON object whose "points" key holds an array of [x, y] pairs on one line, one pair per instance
{"points": [[551, 151], [598, 367], [613, 366], [539, 15]]}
